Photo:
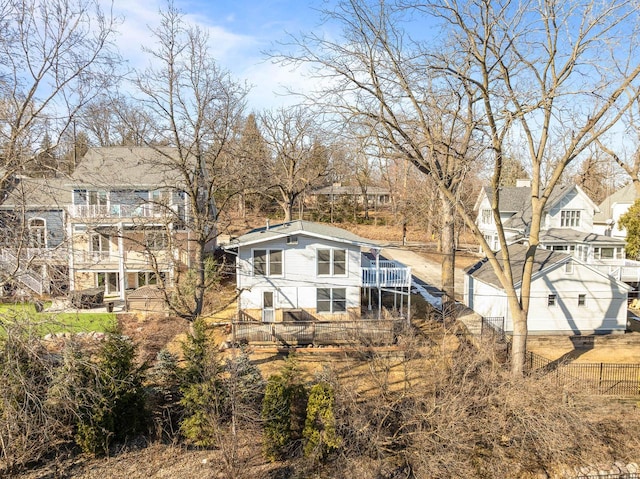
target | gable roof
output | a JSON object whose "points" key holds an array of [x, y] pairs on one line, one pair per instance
{"points": [[127, 167], [299, 227], [38, 193], [625, 195], [543, 260], [483, 271], [517, 200]]}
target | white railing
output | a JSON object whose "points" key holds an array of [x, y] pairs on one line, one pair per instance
{"points": [[117, 211], [10, 263], [621, 269], [387, 277]]}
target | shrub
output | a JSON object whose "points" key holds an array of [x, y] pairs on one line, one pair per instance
{"points": [[320, 426]]}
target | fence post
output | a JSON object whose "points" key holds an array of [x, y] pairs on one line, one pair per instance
{"points": [[600, 379]]}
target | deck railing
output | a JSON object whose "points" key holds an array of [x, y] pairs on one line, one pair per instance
{"points": [[386, 276], [117, 211], [372, 332]]}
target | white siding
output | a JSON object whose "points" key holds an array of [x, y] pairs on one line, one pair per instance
{"points": [[605, 308], [296, 288], [573, 200]]}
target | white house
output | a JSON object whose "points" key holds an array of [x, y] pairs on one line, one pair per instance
{"points": [[309, 271], [611, 209], [567, 295], [567, 224]]}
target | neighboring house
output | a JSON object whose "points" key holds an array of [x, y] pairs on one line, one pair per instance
{"points": [[126, 220], [605, 222], [309, 271], [118, 223], [376, 196], [33, 240], [567, 223], [567, 295]]}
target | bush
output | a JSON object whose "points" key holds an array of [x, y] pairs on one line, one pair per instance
{"points": [[320, 426], [118, 411]]}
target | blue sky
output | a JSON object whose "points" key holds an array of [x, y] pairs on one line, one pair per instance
{"points": [[240, 31]]}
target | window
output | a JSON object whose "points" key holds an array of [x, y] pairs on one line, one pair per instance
{"points": [[37, 233], [568, 267], [99, 245], [582, 300], [267, 262], [487, 217], [569, 218], [292, 240], [150, 277], [98, 198], [332, 262], [551, 300], [156, 239], [331, 300]]}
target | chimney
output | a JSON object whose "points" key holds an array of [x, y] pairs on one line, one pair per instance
{"points": [[523, 183], [267, 224]]}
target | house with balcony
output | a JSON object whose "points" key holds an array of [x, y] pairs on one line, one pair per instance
{"points": [[567, 225], [118, 222], [126, 220], [309, 282]]}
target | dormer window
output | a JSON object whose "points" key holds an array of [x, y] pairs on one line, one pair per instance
{"points": [[570, 218]]}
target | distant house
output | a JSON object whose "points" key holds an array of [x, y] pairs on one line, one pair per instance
{"points": [[567, 295], [606, 221], [375, 195]]}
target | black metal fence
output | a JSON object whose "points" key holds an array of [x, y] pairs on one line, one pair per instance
{"points": [[493, 328], [594, 378]]}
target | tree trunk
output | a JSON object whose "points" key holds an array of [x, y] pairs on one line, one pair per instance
{"points": [[447, 242]]}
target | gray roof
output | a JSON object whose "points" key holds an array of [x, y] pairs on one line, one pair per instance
{"points": [[567, 235], [299, 227], [625, 195], [128, 167], [49, 193], [512, 198], [517, 200], [543, 259]]}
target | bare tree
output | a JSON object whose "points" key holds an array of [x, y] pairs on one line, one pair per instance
{"points": [[195, 107], [55, 57], [299, 159], [539, 80]]}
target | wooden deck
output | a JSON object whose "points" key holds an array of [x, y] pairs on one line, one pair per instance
{"points": [[366, 331]]}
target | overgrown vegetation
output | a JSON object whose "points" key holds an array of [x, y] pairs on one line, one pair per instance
{"points": [[434, 407]]}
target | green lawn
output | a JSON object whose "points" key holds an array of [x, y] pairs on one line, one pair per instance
{"points": [[59, 322]]}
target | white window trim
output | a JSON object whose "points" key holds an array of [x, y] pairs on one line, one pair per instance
{"points": [[332, 262], [332, 301], [268, 263], [43, 228]]}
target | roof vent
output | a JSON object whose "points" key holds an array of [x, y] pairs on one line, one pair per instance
{"points": [[268, 224]]}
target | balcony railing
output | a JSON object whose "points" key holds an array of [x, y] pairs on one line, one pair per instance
{"points": [[621, 269], [118, 211], [386, 274]]}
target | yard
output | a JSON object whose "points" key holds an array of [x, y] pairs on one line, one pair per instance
{"points": [[73, 322]]}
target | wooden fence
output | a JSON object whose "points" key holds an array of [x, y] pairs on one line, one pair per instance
{"points": [[594, 378], [370, 332]]}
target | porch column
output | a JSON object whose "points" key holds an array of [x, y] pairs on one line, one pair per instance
{"points": [[71, 251], [121, 267]]}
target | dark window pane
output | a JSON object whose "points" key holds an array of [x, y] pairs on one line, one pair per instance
{"points": [[339, 261], [260, 262], [324, 261], [275, 262]]}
